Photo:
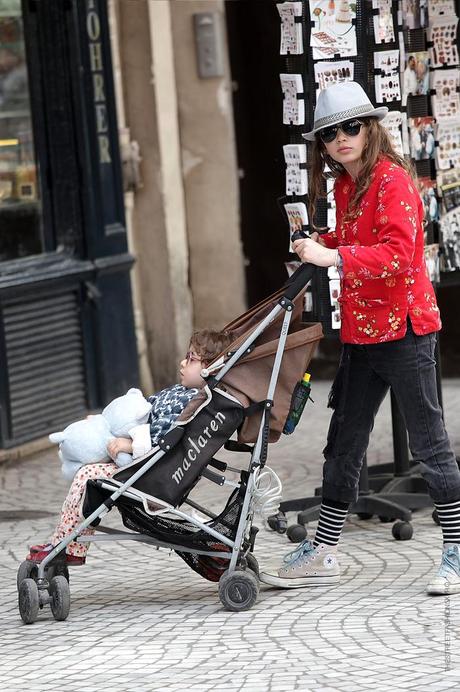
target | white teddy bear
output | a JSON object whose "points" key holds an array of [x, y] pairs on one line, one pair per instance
{"points": [[85, 442]]}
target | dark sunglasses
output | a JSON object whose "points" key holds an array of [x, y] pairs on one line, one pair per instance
{"points": [[349, 127]]}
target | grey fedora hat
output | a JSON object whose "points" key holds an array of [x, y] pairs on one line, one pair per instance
{"points": [[341, 102]]}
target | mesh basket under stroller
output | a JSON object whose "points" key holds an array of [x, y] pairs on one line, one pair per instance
{"points": [[248, 392]]}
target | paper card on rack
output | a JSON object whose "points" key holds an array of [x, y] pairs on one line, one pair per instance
{"points": [[333, 31], [329, 73], [331, 217], [291, 31], [298, 218], [450, 239], [416, 76], [384, 31], [443, 35], [330, 182], [449, 186], [432, 262], [387, 86], [439, 9], [448, 149], [414, 14], [422, 141], [405, 134], [446, 102], [296, 177], [392, 122], [293, 107], [427, 189]]}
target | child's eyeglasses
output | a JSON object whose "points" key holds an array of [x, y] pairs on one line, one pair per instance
{"points": [[190, 357], [352, 128]]}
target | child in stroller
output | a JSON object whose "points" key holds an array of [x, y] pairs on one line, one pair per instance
{"points": [[167, 405], [248, 391]]}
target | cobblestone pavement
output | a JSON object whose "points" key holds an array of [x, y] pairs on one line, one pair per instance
{"points": [[141, 620]]}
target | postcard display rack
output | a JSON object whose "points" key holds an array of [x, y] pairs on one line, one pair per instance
{"points": [[405, 53]]}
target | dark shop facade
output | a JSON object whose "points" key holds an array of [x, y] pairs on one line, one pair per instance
{"points": [[67, 341]]}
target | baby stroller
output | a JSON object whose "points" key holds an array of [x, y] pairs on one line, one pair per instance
{"points": [[248, 390]]}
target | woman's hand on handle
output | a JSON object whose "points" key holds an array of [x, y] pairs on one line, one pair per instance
{"points": [[313, 251]]}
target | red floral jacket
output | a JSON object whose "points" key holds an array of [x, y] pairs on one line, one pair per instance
{"points": [[384, 276]]}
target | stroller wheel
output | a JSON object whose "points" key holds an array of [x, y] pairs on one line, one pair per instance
{"points": [[60, 597], [58, 570], [252, 563], [26, 570], [238, 590], [29, 601], [402, 531]]}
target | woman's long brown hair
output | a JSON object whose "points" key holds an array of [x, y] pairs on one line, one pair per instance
{"points": [[378, 145]]}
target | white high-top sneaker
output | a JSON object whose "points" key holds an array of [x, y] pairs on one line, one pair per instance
{"points": [[447, 580], [306, 566]]}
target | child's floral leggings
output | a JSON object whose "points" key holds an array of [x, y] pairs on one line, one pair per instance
{"points": [[71, 513]]}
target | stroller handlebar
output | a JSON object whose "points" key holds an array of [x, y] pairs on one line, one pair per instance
{"points": [[299, 280]]}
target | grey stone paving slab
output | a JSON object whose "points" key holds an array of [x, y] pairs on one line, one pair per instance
{"points": [[144, 614]]}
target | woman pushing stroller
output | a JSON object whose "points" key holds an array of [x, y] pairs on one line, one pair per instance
{"points": [[167, 406], [389, 322]]}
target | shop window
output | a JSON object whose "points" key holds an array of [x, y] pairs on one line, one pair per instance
{"points": [[20, 207]]}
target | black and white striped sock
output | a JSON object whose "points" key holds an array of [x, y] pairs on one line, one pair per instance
{"points": [[330, 523], [449, 518]]}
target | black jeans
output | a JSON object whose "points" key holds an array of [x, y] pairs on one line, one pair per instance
{"points": [[364, 377]]}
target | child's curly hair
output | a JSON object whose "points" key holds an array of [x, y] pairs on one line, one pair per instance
{"points": [[208, 343]]}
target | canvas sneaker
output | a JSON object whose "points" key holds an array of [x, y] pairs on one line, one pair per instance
{"points": [[447, 580], [306, 566]]}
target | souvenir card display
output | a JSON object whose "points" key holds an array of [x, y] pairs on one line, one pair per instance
{"points": [[329, 73], [392, 122], [427, 189], [432, 262], [422, 141], [298, 218], [449, 186], [291, 30], [446, 101], [414, 14], [384, 31], [442, 34], [441, 9], [333, 30], [416, 75], [295, 156], [448, 149], [387, 86], [450, 238], [293, 103]]}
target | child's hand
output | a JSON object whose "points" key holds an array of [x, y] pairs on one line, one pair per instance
{"points": [[119, 444]]}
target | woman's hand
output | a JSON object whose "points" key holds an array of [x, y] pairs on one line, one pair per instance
{"points": [[316, 237], [119, 444], [311, 250]]}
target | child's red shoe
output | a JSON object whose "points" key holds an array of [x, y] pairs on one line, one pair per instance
{"points": [[40, 548], [72, 560], [75, 560]]}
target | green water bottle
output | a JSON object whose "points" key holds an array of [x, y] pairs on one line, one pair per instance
{"points": [[300, 396]]}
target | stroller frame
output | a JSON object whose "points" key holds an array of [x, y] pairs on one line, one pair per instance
{"points": [[238, 590]]}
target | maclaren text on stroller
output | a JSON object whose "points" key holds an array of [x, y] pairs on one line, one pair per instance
{"points": [[247, 390]]}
